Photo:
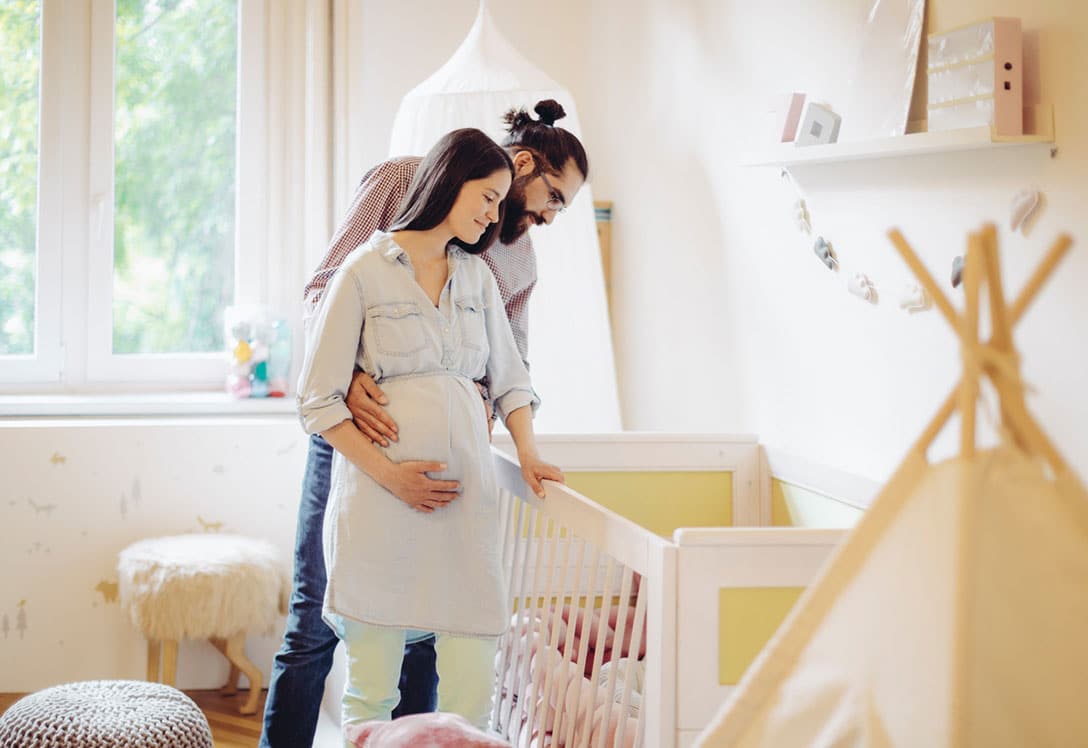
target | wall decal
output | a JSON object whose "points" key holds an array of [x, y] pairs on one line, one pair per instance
{"points": [[914, 299], [20, 618], [58, 459], [40, 508], [823, 250], [801, 217], [957, 270], [209, 526], [136, 495], [861, 286], [1023, 206], [108, 590]]}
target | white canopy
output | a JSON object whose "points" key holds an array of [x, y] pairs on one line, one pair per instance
{"points": [[570, 344]]}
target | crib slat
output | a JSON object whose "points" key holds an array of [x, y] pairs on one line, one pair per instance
{"points": [[636, 644], [615, 655], [526, 607], [553, 639], [575, 719], [568, 646], [598, 651], [511, 541], [543, 655], [519, 587]]}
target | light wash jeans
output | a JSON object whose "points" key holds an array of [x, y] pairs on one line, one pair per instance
{"points": [[466, 672]]}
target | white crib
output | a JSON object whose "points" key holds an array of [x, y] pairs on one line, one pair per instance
{"points": [[568, 549]]}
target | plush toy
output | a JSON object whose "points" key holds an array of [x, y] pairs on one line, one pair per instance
{"points": [[822, 249]]}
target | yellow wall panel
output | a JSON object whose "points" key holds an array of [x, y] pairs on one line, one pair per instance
{"points": [[747, 618], [661, 501]]}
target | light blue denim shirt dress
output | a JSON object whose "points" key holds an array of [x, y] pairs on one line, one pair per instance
{"points": [[387, 563]]}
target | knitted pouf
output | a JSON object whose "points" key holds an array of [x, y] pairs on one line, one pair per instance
{"points": [[105, 714]]}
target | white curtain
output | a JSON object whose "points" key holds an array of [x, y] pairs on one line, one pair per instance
{"points": [[570, 344], [293, 172]]}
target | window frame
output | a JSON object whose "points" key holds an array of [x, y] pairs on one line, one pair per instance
{"points": [[73, 316]]}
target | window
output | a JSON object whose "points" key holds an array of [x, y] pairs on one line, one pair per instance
{"points": [[118, 236], [20, 24], [175, 75]]}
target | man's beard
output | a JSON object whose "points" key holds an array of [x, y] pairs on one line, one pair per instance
{"points": [[517, 220]]}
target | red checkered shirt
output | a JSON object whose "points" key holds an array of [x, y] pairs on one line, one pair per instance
{"points": [[375, 205]]}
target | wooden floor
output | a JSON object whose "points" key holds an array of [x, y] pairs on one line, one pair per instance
{"points": [[229, 728]]}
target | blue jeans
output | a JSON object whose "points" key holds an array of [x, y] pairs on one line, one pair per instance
{"points": [[300, 667]]}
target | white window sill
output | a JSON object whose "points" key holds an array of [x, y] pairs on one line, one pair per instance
{"points": [[146, 404]]}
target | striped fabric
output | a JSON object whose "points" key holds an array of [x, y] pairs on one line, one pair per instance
{"points": [[374, 206]]}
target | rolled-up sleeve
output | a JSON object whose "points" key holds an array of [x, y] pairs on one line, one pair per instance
{"points": [[332, 349], [507, 376]]}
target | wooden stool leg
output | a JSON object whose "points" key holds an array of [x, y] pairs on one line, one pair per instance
{"points": [[154, 651], [170, 662], [231, 686], [237, 655]]}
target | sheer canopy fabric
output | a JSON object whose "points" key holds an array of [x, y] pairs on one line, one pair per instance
{"points": [[570, 343]]}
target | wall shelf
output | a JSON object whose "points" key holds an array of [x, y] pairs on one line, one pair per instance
{"points": [[914, 144]]}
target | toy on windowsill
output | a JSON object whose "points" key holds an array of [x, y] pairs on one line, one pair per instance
{"points": [[259, 351]]}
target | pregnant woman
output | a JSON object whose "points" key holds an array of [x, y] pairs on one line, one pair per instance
{"points": [[417, 311]]}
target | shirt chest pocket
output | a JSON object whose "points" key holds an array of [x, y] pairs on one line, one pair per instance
{"points": [[399, 329], [470, 319]]}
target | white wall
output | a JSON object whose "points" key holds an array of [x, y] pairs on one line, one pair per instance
{"points": [[77, 492], [726, 319]]}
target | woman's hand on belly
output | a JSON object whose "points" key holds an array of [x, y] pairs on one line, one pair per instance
{"points": [[409, 482]]}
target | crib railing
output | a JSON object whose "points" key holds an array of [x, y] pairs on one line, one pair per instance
{"points": [[567, 554]]}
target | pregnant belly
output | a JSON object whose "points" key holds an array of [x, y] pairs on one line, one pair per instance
{"points": [[434, 421]]}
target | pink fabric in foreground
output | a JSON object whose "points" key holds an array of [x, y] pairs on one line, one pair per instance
{"points": [[437, 730]]}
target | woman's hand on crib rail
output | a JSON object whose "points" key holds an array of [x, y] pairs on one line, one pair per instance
{"points": [[534, 470]]}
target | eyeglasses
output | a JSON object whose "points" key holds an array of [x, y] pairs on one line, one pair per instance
{"points": [[556, 201]]}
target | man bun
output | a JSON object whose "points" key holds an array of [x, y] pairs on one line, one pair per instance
{"points": [[548, 111], [553, 147]]}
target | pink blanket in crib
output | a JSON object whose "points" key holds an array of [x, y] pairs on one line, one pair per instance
{"points": [[583, 703]]}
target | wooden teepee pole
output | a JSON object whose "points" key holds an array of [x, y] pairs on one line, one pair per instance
{"points": [[1006, 378], [973, 277], [1027, 294]]}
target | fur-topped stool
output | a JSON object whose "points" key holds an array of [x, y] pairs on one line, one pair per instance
{"points": [[106, 714], [214, 587]]}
